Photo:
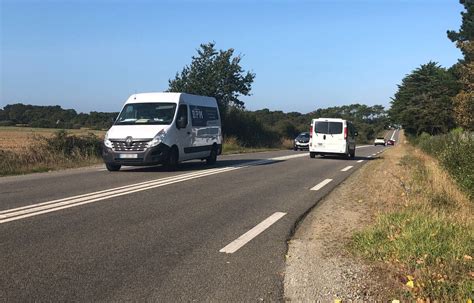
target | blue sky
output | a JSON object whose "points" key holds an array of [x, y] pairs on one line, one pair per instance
{"points": [[91, 55]]}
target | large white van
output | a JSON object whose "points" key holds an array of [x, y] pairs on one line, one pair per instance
{"points": [[332, 136], [164, 128]]}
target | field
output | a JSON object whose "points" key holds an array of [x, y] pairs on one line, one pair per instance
{"points": [[17, 138]]}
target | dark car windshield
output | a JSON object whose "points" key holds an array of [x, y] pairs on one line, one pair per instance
{"points": [[330, 128], [147, 113], [303, 136]]}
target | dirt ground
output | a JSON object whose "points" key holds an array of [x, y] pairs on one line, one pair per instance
{"points": [[319, 265]]}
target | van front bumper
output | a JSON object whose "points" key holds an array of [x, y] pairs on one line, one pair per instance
{"points": [[151, 156]]}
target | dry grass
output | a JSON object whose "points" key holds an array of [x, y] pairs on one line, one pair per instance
{"points": [[18, 138], [422, 226], [232, 146], [55, 151]]}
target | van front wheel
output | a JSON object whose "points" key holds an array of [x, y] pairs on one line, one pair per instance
{"points": [[212, 157], [172, 162], [113, 167]]}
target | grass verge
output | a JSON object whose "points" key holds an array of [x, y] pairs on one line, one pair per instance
{"points": [[423, 233], [58, 151], [233, 146]]}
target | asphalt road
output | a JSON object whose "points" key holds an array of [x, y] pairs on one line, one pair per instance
{"points": [[147, 234]]}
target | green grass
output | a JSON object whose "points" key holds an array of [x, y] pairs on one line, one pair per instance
{"points": [[428, 238], [430, 248], [233, 146], [455, 152]]}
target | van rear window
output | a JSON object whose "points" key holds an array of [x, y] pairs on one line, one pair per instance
{"points": [[330, 128]]}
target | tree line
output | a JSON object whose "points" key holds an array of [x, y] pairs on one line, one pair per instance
{"points": [[53, 117], [252, 128], [433, 99]]}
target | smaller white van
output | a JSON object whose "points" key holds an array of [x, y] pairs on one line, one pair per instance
{"points": [[164, 128], [332, 136]]}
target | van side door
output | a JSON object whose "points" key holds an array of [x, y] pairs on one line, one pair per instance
{"points": [[183, 133]]}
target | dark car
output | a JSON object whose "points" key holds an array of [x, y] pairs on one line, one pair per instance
{"points": [[390, 142], [302, 141]]}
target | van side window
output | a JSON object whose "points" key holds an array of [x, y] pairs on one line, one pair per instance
{"points": [[204, 116], [183, 114]]}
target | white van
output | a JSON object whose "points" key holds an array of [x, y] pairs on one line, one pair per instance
{"points": [[164, 128], [332, 136]]}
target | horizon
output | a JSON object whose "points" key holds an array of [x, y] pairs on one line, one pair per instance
{"points": [[91, 56]]}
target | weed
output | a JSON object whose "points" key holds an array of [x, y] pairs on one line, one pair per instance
{"points": [[455, 153], [428, 235]]}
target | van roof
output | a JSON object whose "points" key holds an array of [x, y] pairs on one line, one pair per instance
{"points": [[330, 119], [169, 97]]}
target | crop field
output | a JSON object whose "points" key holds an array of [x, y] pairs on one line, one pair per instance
{"points": [[17, 138]]}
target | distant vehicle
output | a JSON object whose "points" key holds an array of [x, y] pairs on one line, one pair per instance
{"points": [[379, 141], [164, 128], [390, 142], [332, 136], [301, 141]]}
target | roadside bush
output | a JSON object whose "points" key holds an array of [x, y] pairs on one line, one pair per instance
{"points": [[455, 152], [71, 146], [249, 131], [7, 123]]}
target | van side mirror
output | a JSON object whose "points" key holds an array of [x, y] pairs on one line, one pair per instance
{"points": [[181, 122]]}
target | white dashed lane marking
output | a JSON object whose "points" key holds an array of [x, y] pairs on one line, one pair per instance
{"points": [[248, 236]]}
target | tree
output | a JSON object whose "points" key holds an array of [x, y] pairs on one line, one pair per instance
{"points": [[423, 100], [464, 39], [217, 74]]}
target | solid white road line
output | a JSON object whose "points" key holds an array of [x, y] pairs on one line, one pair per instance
{"points": [[360, 161], [347, 168], [248, 236], [321, 184], [288, 157], [362, 146], [59, 204]]}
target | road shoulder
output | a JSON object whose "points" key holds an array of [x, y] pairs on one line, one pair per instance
{"points": [[319, 266]]}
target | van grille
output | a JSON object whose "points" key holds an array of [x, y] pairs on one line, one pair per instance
{"points": [[134, 146]]}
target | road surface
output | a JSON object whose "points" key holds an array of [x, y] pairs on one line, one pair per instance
{"points": [[197, 234]]}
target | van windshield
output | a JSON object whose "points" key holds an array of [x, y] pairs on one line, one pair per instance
{"points": [[147, 113], [330, 128]]}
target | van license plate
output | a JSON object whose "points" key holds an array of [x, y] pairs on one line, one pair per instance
{"points": [[128, 156]]}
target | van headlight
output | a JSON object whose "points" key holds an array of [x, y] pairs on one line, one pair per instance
{"points": [[160, 136], [107, 142]]}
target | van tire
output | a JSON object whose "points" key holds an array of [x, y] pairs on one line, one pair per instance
{"points": [[173, 159], [353, 153], [213, 156], [312, 155], [113, 167]]}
